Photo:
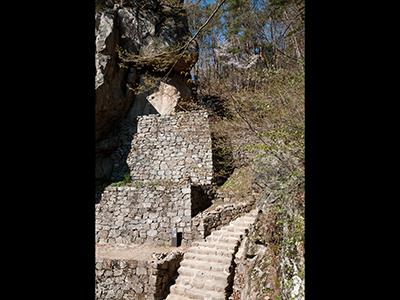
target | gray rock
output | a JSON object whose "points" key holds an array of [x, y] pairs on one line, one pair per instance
{"points": [[141, 271], [152, 233], [147, 29], [138, 288]]}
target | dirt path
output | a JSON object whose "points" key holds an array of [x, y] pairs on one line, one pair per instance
{"points": [[132, 251]]}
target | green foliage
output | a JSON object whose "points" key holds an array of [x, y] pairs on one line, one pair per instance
{"points": [[138, 184], [275, 29], [239, 183], [124, 182], [256, 147]]}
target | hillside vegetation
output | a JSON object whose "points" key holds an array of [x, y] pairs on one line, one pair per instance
{"points": [[251, 78], [265, 126]]}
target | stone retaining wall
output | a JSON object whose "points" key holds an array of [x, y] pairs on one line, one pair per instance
{"points": [[217, 216], [144, 213], [172, 147], [132, 279]]}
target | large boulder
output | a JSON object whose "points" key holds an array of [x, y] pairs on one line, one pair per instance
{"points": [[150, 31]]}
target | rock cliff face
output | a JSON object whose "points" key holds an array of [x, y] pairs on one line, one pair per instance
{"points": [[146, 29]]}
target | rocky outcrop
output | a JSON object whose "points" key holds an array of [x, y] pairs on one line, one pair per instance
{"points": [[165, 99], [150, 31]]}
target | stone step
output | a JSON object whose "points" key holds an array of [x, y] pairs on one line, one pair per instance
{"points": [[238, 228], [205, 265], [245, 219], [241, 223], [184, 279], [204, 270], [222, 239], [176, 297], [205, 285], [202, 274], [241, 229], [225, 233], [208, 258], [217, 245], [210, 251], [194, 293], [209, 284]]}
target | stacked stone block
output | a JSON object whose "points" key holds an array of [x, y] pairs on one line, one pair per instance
{"points": [[172, 147], [169, 154], [217, 216], [131, 279], [146, 213]]}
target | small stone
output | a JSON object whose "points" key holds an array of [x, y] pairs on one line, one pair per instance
{"points": [[187, 219], [137, 287], [141, 271], [152, 233], [118, 272], [152, 279], [176, 220], [103, 234], [110, 294], [146, 205], [132, 264], [186, 190]]}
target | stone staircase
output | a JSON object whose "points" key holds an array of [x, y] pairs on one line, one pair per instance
{"points": [[207, 266]]}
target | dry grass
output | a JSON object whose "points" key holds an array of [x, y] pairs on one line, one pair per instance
{"points": [[264, 120], [262, 116]]}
